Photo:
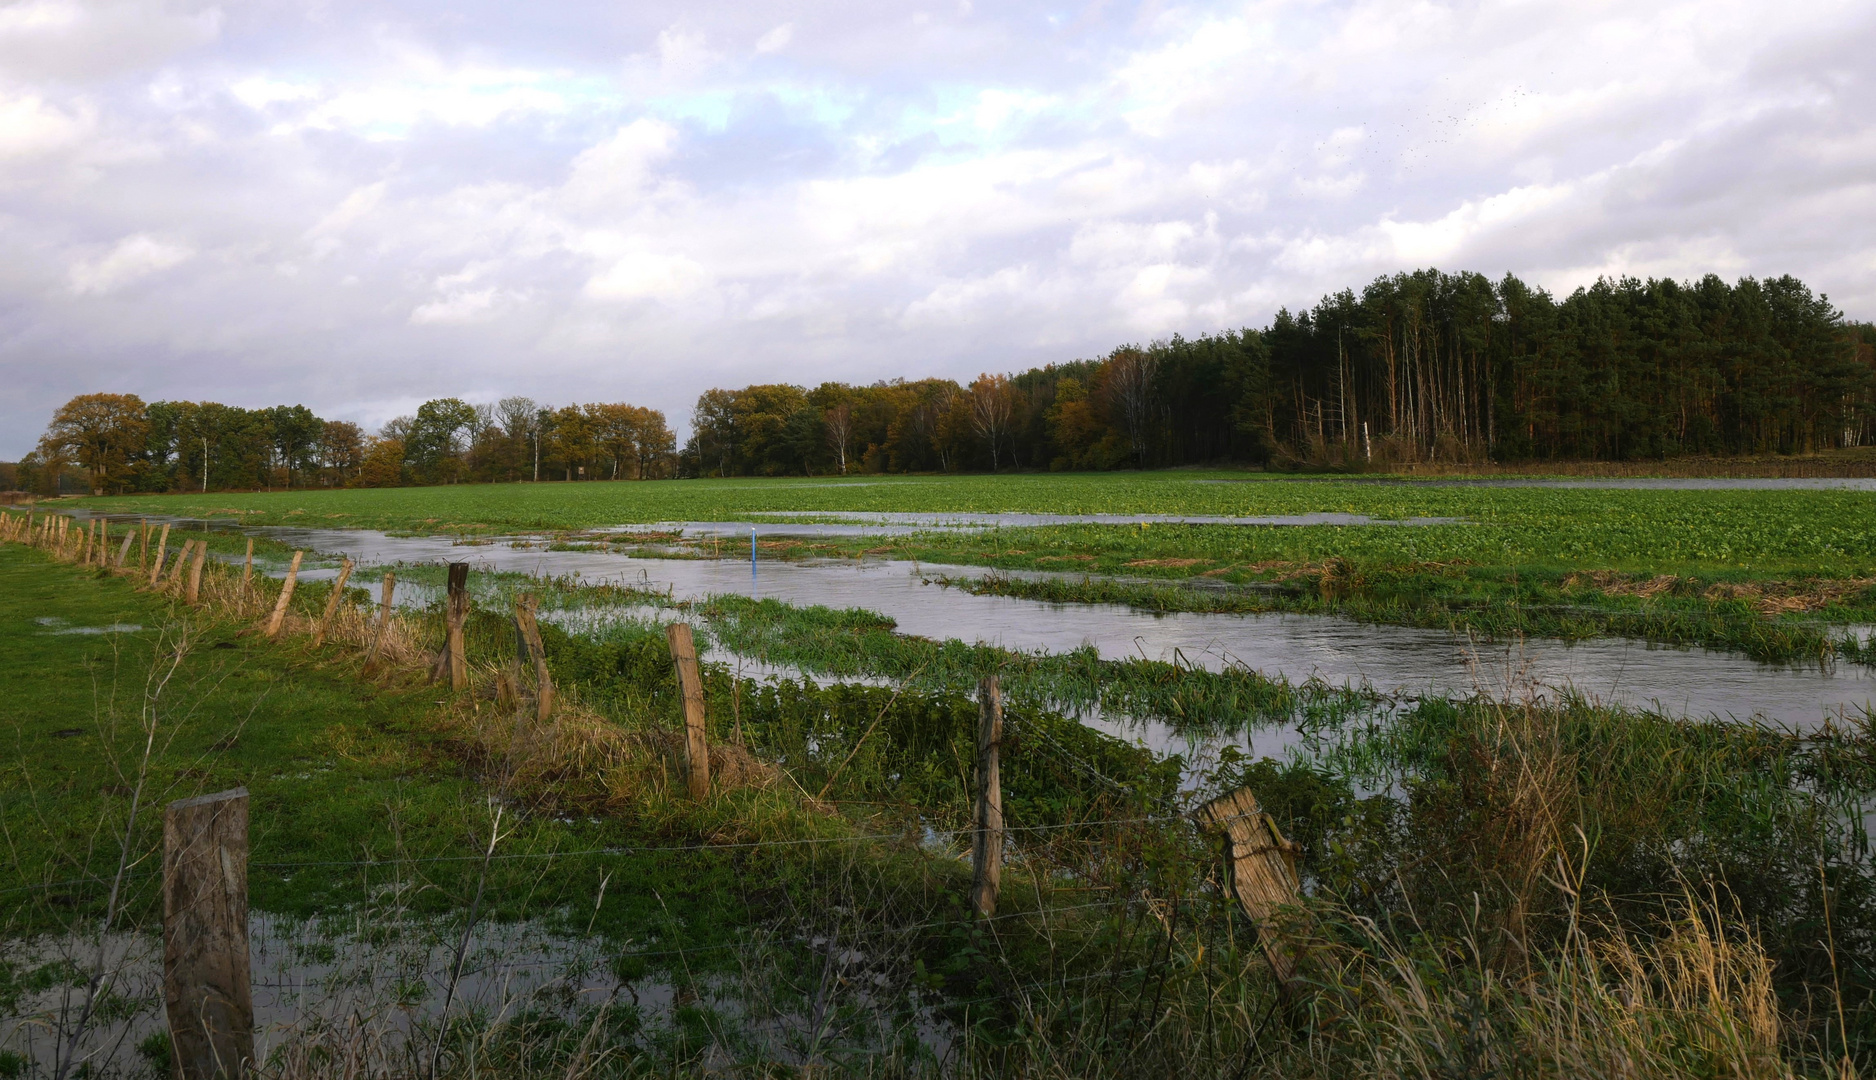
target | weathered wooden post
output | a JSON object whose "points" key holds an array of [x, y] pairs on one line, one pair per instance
{"points": [[123, 553], [530, 629], [247, 568], [195, 572], [162, 545], [987, 843], [206, 993], [455, 613], [384, 620], [174, 576], [1262, 868], [690, 687], [332, 603], [279, 617]]}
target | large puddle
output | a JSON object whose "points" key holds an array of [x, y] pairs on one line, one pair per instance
{"points": [[1391, 659], [363, 993], [881, 523]]}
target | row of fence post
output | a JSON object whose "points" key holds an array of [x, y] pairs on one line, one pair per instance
{"points": [[207, 997]]}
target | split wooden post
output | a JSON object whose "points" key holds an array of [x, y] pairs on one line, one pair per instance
{"points": [[1262, 868], [279, 617], [455, 613], [174, 577], [206, 992], [123, 553], [529, 627], [162, 545], [987, 839], [690, 687], [247, 568], [97, 547], [384, 620], [143, 542], [166, 575], [332, 603], [195, 572]]}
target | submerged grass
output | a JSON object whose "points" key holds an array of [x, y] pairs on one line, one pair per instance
{"points": [[1431, 601]]}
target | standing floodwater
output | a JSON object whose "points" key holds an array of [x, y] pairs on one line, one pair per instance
{"points": [[1393, 659]]}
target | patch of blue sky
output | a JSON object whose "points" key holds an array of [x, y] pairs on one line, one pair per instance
{"points": [[707, 109], [713, 109], [981, 116], [822, 105]]}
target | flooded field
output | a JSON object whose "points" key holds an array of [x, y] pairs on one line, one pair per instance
{"points": [[1398, 661], [892, 523]]}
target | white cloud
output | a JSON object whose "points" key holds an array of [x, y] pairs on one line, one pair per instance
{"points": [[466, 306], [132, 258], [898, 196], [649, 275], [29, 126], [777, 39]]}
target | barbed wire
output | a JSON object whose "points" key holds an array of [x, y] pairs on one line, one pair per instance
{"points": [[629, 850]]}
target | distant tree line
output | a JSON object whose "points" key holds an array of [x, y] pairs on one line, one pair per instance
{"points": [[1417, 366], [122, 444]]}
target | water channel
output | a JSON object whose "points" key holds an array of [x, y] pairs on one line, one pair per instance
{"points": [[1391, 659]]}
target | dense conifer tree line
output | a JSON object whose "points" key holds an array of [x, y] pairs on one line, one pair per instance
{"points": [[1417, 366]]}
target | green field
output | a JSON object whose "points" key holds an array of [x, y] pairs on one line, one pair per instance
{"points": [[1479, 872], [1114, 952], [1767, 573]]}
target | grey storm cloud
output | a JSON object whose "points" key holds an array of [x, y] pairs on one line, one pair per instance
{"points": [[361, 206]]}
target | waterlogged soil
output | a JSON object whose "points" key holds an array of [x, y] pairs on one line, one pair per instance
{"points": [[308, 975], [1397, 661]]}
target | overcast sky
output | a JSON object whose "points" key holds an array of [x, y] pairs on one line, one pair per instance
{"points": [[361, 206]]}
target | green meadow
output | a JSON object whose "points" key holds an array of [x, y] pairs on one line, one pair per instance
{"points": [[1768, 573], [1540, 888]]}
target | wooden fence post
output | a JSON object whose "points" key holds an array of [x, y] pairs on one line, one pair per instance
{"points": [[123, 553], [455, 612], [143, 542], [174, 577], [162, 545], [530, 628], [987, 843], [247, 568], [1262, 873], [206, 992], [332, 602], [279, 617], [195, 572], [690, 686], [384, 620]]}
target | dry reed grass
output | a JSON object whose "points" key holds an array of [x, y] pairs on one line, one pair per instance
{"points": [[1769, 598]]}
